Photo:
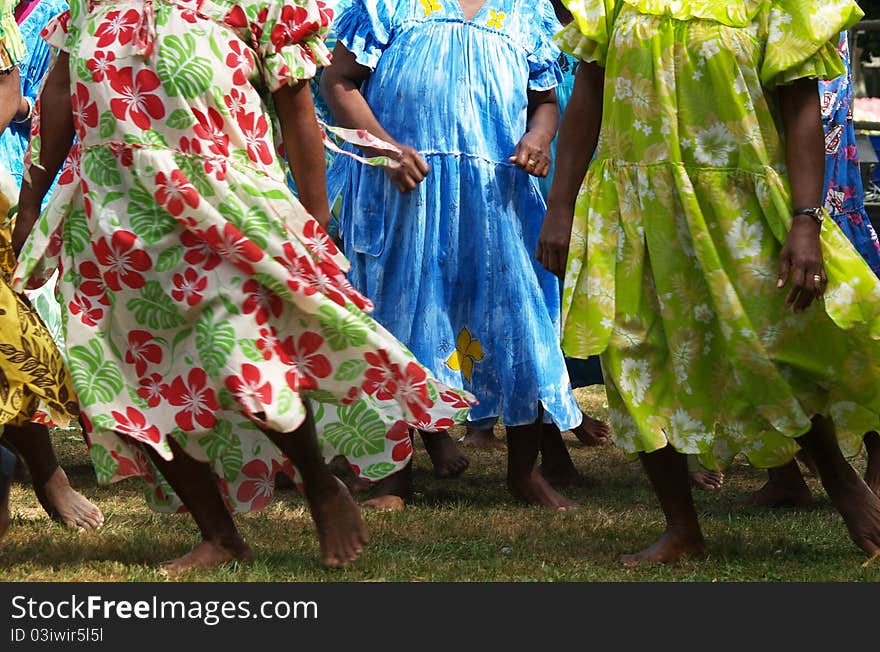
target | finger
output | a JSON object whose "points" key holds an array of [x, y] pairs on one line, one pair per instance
{"points": [[523, 156], [543, 168], [797, 284], [784, 269], [824, 284], [422, 165], [805, 298], [558, 262]]}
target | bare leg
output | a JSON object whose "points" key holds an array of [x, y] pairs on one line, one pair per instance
{"points": [[392, 492], [195, 485], [58, 498], [341, 530], [785, 487], [667, 470], [7, 468], [482, 438], [447, 459], [857, 504], [592, 432], [524, 480], [872, 472], [556, 465]]}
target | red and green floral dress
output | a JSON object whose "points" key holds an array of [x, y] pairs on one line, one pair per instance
{"points": [[200, 300]]}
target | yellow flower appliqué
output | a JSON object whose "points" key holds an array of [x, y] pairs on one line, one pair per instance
{"points": [[467, 351], [430, 6], [496, 19]]}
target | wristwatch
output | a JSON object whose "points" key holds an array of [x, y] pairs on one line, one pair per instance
{"points": [[816, 213]]}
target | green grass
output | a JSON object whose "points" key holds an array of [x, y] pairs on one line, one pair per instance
{"points": [[463, 529]]}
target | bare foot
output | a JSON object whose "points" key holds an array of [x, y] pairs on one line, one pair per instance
{"points": [[668, 549], [535, 490], [561, 477], [447, 459], [482, 438], [67, 506], [860, 509], [207, 554], [785, 487], [341, 530], [389, 503], [592, 432], [707, 480]]}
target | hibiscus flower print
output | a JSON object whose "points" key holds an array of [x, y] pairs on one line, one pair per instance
{"points": [[380, 379], [175, 191], [234, 247], [92, 282], [189, 287], [250, 389], [261, 300], [151, 389], [88, 313], [255, 127], [133, 97], [134, 424], [258, 488], [197, 401], [142, 351], [237, 103], [101, 64], [209, 128], [85, 114], [293, 26], [198, 252], [308, 363], [412, 388], [241, 61], [117, 27], [123, 260], [318, 242]]}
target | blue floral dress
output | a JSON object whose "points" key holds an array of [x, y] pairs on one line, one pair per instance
{"points": [[451, 265], [844, 195]]}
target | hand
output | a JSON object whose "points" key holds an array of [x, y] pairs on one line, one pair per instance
{"points": [[411, 171], [801, 262], [533, 154], [554, 240]]}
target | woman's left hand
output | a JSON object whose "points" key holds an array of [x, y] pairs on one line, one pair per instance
{"points": [[801, 262], [533, 154]]}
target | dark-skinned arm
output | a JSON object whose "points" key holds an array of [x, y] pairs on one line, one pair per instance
{"points": [[578, 137], [340, 86], [305, 148], [533, 150], [56, 138], [801, 256]]}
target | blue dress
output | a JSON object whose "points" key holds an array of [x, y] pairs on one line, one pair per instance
{"points": [[451, 265], [844, 194], [32, 69]]}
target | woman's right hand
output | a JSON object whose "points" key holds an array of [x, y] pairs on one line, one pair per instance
{"points": [[411, 170], [554, 240]]}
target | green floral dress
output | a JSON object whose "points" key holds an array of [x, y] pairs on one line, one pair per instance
{"points": [[679, 225]]}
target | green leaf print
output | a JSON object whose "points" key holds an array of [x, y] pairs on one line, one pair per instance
{"points": [[76, 233], [192, 168], [323, 396], [101, 167], [285, 399], [182, 71], [271, 283], [225, 445], [151, 137], [214, 341], [359, 432], [148, 219], [136, 400], [103, 422], [169, 259], [350, 370], [180, 119], [240, 157], [105, 466], [95, 379], [378, 470], [341, 331], [255, 225], [82, 70], [112, 197], [250, 350], [154, 308], [107, 124]]}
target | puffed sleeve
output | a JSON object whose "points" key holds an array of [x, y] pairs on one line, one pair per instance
{"points": [[291, 41], [588, 35], [802, 38], [57, 31], [544, 72], [11, 43], [365, 29]]}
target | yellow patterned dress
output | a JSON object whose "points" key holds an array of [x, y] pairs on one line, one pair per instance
{"points": [[31, 369], [679, 225]]}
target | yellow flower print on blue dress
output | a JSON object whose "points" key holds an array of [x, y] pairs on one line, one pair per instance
{"points": [[468, 351]]}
